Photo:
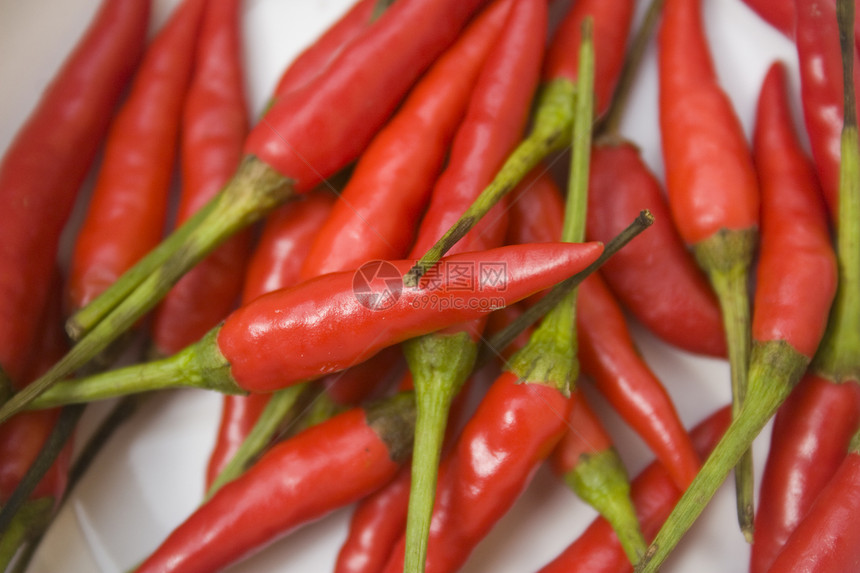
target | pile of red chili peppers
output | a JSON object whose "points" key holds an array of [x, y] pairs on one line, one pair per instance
{"points": [[296, 260]]}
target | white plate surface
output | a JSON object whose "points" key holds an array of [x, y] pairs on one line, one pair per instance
{"points": [[151, 475]]}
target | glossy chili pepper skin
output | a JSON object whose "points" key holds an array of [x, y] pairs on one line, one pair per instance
{"points": [[210, 152], [654, 493], [126, 214], [328, 466], [609, 356], [606, 349], [780, 15], [302, 140], [376, 525], [612, 20], [810, 436], [828, 538], [820, 64], [387, 194], [654, 277], [585, 434], [47, 163], [327, 327], [514, 429], [794, 226], [710, 178], [314, 59], [797, 261], [275, 264]]}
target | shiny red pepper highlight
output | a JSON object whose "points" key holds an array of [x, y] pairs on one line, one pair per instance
{"points": [[299, 480]]}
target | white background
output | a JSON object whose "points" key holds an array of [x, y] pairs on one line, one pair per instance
{"points": [[151, 475]]}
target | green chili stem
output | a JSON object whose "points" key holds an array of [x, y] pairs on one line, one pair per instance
{"points": [[254, 191], [601, 480], [198, 366], [726, 257], [258, 439], [776, 368], [440, 365], [838, 357], [551, 132], [31, 518]]}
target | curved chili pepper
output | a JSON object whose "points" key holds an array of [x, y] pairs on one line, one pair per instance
{"points": [[606, 349], [610, 358], [810, 436], [492, 127], [333, 322], [516, 425], [380, 207], [586, 459], [126, 213], [552, 120], [654, 276], [210, 151], [298, 142], [796, 263], [47, 162], [821, 85], [299, 480], [654, 493], [275, 264], [712, 188], [828, 538]]}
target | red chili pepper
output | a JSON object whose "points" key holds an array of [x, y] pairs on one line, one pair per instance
{"points": [[796, 263], [606, 349], [333, 322], [609, 356], [22, 437], [296, 145], [126, 214], [314, 59], [552, 121], [47, 162], [795, 225], [376, 525], [810, 436], [211, 150], [586, 459], [516, 426], [612, 21], [380, 208], [654, 492], [299, 480], [828, 538], [654, 276], [712, 188], [275, 264], [820, 63], [781, 15], [492, 127]]}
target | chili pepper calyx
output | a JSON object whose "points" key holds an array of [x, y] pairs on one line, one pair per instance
{"points": [[549, 357], [393, 420], [726, 249], [600, 479]]}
